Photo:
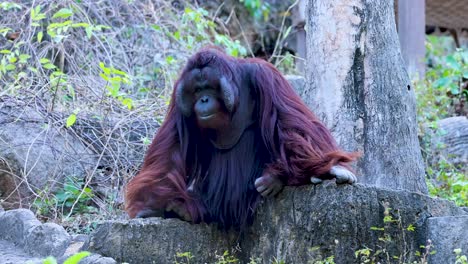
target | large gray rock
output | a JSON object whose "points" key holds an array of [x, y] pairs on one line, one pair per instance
{"points": [[156, 239], [97, 259], [448, 233], [23, 229], [35, 153], [48, 239], [298, 83], [11, 254], [15, 225], [24, 239], [302, 224], [450, 141]]}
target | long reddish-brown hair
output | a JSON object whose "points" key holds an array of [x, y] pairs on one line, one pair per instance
{"points": [[297, 144]]}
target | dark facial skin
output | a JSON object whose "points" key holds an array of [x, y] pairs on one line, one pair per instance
{"points": [[219, 106], [200, 94]]}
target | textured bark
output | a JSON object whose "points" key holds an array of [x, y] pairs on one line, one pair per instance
{"points": [[358, 86]]}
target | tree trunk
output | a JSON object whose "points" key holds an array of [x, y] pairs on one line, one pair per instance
{"points": [[357, 84]]}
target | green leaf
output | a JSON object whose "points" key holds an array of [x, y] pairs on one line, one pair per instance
{"points": [[40, 34], [82, 24], [102, 66], [23, 58], [71, 120], [36, 14], [443, 82], [188, 10], [10, 67], [115, 71], [177, 35], [5, 51], [89, 32], [71, 91], [452, 63], [234, 52], [8, 5], [169, 59], [63, 13], [44, 60], [388, 219], [146, 141], [465, 74], [103, 76], [49, 66], [454, 89], [286, 34], [128, 102], [116, 79], [106, 70], [49, 260], [13, 59], [33, 12]]}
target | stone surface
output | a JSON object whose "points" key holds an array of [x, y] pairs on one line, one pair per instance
{"points": [[23, 238], [302, 224], [156, 239], [48, 239], [448, 233], [11, 254], [297, 82], [97, 259], [35, 153], [15, 225], [450, 141]]}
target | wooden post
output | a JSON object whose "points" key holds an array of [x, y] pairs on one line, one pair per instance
{"points": [[411, 31]]}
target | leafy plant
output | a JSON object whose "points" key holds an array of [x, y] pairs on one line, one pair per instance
{"points": [[446, 78], [449, 182], [64, 199], [460, 259], [441, 94], [195, 30], [257, 8], [73, 191], [391, 234], [328, 260], [183, 258], [115, 78], [226, 258], [9, 6]]}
